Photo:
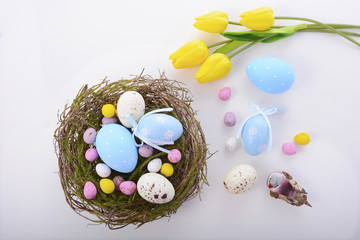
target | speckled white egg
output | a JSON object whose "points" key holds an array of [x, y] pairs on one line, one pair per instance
{"points": [[103, 170], [155, 188], [154, 165], [231, 144], [240, 179], [132, 103]]}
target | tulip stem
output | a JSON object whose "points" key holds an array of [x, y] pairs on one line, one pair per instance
{"points": [[317, 26], [244, 48], [219, 43], [234, 23], [322, 24], [327, 31]]}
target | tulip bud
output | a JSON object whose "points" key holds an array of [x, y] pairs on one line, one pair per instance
{"points": [[213, 22], [190, 54], [216, 66], [258, 19]]}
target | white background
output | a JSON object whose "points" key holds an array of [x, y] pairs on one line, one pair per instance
{"points": [[49, 49]]}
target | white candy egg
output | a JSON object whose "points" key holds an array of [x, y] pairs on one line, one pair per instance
{"points": [[154, 165], [103, 170], [240, 179], [132, 103], [155, 188], [231, 144]]}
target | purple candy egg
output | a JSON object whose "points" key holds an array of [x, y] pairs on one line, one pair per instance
{"points": [[91, 154], [174, 156], [90, 136], [109, 120], [224, 93], [118, 180], [229, 119], [289, 148], [90, 190], [128, 187], [145, 151]]}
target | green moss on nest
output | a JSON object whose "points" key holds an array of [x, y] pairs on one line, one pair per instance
{"points": [[118, 210]]}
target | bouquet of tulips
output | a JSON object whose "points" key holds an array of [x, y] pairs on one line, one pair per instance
{"points": [[260, 21]]}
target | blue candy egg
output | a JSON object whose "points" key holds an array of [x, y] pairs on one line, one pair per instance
{"points": [[271, 75], [255, 135], [116, 148], [160, 127]]}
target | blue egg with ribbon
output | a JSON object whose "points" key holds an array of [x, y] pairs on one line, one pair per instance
{"points": [[255, 132], [271, 75], [116, 148], [255, 135]]}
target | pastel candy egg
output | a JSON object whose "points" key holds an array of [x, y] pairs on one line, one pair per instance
{"points": [[128, 187], [107, 186], [108, 110], [146, 151], [116, 148], [229, 119], [117, 181], [240, 179], [154, 165], [167, 170], [174, 156], [155, 188], [102, 170], [271, 75], [90, 190], [231, 144], [224, 93], [160, 127], [131, 103], [302, 138], [89, 136], [255, 135], [289, 148], [91, 154], [109, 120]]}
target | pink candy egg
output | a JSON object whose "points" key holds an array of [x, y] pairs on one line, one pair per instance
{"points": [[224, 93], [91, 154], [117, 181], [229, 119], [289, 148], [109, 120], [89, 190], [128, 187], [174, 156], [145, 151], [89, 136]]}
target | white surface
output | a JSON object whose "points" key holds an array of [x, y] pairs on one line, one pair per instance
{"points": [[49, 49]]}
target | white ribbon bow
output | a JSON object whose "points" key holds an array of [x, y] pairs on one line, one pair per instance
{"points": [[265, 111]]}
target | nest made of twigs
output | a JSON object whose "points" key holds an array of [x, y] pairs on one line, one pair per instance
{"points": [[118, 210]]}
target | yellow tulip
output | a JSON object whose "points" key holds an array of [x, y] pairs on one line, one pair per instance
{"points": [[216, 66], [213, 22], [258, 19], [190, 54]]}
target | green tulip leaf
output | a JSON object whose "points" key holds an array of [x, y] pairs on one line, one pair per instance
{"points": [[271, 35], [230, 46]]}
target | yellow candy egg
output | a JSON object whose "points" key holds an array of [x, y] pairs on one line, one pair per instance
{"points": [[302, 138], [108, 110], [107, 186], [167, 169]]}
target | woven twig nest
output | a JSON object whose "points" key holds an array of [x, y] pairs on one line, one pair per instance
{"points": [[118, 210]]}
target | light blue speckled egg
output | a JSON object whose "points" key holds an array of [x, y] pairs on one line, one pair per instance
{"points": [[271, 75], [160, 127], [116, 148], [255, 135]]}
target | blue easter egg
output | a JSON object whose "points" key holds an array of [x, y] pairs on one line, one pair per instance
{"points": [[160, 127], [116, 148], [271, 75], [255, 135]]}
